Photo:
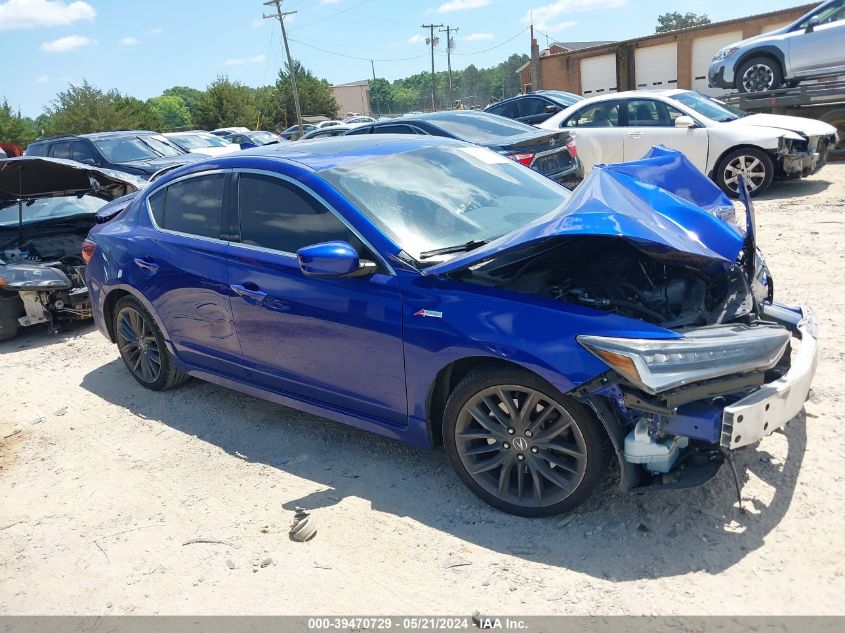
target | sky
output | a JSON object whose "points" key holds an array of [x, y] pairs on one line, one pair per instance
{"points": [[141, 47]]}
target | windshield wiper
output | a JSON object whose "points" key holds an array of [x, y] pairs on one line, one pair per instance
{"points": [[457, 248]]}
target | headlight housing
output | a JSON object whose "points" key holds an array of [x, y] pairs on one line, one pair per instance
{"points": [[32, 277], [656, 365], [725, 52]]}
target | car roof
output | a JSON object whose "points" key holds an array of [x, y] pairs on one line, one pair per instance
{"points": [[338, 151], [633, 94], [443, 115]]}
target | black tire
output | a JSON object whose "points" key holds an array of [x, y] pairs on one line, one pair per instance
{"points": [[756, 164], [759, 74], [560, 461], [142, 347], [11, 308]]}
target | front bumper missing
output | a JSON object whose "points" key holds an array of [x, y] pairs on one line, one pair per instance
{"points": [[776, 403]]}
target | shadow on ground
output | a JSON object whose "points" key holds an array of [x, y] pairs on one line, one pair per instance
{"points": [[614, 536], [785, 189]]}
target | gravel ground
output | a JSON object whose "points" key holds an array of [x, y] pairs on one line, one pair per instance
{"points": [[105, 482]]}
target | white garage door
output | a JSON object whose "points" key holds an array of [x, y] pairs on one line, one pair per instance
{"points": [[703, 49], [598, 75], [656, 67]]}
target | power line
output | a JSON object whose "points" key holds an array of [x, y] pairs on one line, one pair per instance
{"points": [[327, 17], [492, 48], [347, 55]]}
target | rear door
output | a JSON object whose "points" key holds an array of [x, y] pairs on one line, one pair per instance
{"points": [[179, 265], [651, 122], [596, 128], [333, 341], [821, 50]]}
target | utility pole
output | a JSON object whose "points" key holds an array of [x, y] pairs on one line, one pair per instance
{"points": [[291, 70], [432, 41], [449, 46], [377, 109]]}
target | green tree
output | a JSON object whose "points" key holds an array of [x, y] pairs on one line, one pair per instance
{"points": [[190, 96], [171, 113], [381, 96], [226, 103], [86, 108], [673, 21], [268, 102], [15, 128], [315, 96]]}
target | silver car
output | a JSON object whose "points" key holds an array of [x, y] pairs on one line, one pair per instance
{"points": [[813, 45]]}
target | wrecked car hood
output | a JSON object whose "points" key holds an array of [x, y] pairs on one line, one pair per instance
{"points": [[800, 125], [31, 177], [624, 200]]}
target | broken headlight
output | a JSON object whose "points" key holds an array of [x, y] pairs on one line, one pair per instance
{"points": [[655, 365], [32, 276]]}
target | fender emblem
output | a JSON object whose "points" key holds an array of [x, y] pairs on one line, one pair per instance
{"points": [[429, 313]]}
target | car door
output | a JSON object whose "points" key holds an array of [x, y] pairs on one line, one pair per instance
{"points": [[61, 150], [532, 110], [83, 152], [178, 263], [597, 133], [333, 341], [819, 49], [509, 109], [651, 122]]}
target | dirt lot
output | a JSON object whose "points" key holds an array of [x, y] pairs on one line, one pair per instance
{"points": [[105, 482]]}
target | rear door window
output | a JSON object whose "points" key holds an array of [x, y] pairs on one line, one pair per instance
{"points": [[602, 114], [61, 150], [193, 206], [508, 109], [394, 129], [82, 151]]}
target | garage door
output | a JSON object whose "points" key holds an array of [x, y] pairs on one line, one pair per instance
{"points": [[703, 49], [598, 75], [656, 67]]}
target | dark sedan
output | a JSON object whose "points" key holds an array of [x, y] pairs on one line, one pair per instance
{"points": [[553, 154], [535, 107]]}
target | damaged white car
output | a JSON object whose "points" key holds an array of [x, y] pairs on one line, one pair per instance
{"points": [[47, 207]]}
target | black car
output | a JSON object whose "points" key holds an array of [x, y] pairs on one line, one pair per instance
{"points": [[138, 152], [535, 107], [550, 153]]}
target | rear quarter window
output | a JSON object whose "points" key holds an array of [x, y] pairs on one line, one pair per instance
{"points": [[193, 206]]}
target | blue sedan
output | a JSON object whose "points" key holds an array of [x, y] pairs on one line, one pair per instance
{"points": [[435, 291]]}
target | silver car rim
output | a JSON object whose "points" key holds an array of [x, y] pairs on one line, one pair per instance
{"points": [[520, 446], [751, 167], [758, 78], [138, 345]]}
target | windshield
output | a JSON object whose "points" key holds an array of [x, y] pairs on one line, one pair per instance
{"points": [[710, 108], [197, 141], [126, 149], [437, 197], [162, 145], [50, 209], [264, 137], [481, 128], [563, 98]]}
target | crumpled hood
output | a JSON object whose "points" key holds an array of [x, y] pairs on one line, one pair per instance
{"points": [[801, 125], [31, 177], [623, 201]]}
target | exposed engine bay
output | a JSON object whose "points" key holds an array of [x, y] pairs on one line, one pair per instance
{"points": [[610, 274]]}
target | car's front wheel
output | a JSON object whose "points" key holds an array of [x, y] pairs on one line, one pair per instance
{"points": [[754, 165], [521, 446], [759, 74], [142, 347]]}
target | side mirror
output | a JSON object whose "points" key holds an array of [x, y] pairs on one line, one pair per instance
{"points": [[89, 161], [333, 260], [685, 121], [812, 24], [551, 109]]}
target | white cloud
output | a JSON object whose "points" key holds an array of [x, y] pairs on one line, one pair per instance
{"points": [[68, 43], [478, 37], [129, 41], [550, 17], [43, 79], [156, 31], [257, 23], [461, 5], [30, 14], [416, 39], [257, 59]]}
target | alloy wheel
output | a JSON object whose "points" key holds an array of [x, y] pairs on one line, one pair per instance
{"points": [[758, 78], [138, 345], [750, 167], [520, 446]]}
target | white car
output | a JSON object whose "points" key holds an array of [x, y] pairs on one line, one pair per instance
{"points": [[201, 142], [330, 123], [721, 141]]}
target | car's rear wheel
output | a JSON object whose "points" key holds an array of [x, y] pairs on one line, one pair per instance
{"points": [[142, 347], [11, 307], [521, 446], [753, 164], [759, 74]]}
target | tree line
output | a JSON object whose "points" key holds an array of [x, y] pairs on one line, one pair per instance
{"points": [[84, 108]]}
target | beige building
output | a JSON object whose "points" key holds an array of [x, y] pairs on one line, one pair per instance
{"points": [[353, 97], [678, 59]]}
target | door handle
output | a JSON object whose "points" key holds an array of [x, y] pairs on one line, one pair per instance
{"points": [[249, 290], [635, 134], [146, 264]]}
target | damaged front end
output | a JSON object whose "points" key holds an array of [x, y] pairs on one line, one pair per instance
{"points": [[735, 367]]}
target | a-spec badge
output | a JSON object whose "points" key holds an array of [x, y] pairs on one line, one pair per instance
{"points": [[429, 313]]}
